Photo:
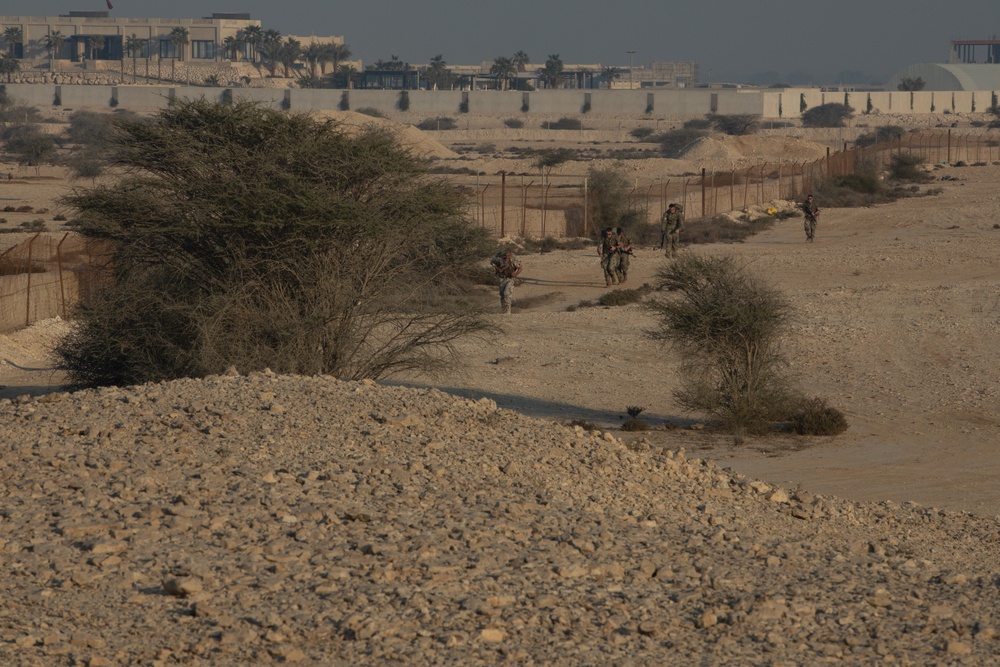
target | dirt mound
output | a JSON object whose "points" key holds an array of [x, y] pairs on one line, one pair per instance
{"points": [[752, 149], [408, 135]]}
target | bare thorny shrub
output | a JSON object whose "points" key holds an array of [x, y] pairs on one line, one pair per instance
{"points": [[251, 238], [726, 325]]}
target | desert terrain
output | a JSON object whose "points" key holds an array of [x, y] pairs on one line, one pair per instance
{"points": [[252, 519]]}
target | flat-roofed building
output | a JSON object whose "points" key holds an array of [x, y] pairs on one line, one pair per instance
{"points": [[76, 29]]}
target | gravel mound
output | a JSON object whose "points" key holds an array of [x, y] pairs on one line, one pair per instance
{"points": [[248, 520]]}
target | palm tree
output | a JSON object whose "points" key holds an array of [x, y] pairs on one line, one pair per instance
{"points": [[552, 71], [345, 73], [611, 73], [54, 42], [270, 49], [312, 55], [338, 54], [13, 36], [133, 45], [231, 46], [521, 60], [504, 68], [179, 37], [9, 65], [254, 36], [437, 73], [95, 42], [290, 53]]}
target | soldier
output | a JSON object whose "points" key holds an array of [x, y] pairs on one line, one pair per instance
{"points": [[671, 226], [608, 250], [507, 268], [811, 210], [624, 253]]}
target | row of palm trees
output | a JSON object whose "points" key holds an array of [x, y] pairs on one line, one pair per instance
{"points": [[262, 47]]}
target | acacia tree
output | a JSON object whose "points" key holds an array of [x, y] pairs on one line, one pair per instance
{"points": [[727, 324], [250, 237]]}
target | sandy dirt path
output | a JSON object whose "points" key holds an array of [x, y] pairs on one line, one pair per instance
{"points": [[898, 316]]}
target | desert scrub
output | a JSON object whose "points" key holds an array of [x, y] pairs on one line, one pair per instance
{"points": [[633, 423], [815, 417]]}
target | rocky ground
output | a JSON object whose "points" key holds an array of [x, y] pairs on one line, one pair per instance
{"points": [[245, 520], [256, 520]]}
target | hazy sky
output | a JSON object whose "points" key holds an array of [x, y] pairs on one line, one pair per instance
{"points": [[732, 39]]}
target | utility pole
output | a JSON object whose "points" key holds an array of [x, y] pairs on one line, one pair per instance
{"points": [[630, 54]]}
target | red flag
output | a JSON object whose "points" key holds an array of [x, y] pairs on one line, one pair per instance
{"points": [[110, 6]]}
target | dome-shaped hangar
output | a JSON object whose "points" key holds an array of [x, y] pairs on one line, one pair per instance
{"points": [[959, 76]]}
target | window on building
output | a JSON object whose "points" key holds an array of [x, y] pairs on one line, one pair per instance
{"points": [[167, 49], [203, 49]]}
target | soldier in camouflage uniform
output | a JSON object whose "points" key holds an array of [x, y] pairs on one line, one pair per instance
{"points": [[671, 226], [811, 211], [507, 268], [624, 254], [608, 251]]}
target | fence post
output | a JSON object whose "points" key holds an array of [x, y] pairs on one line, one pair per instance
{"points": [[949, 146], [703, 192], [746, 186], [482, 205], [62, 286], [27, 298], [503, 203], [732, 188], [586, 203]]}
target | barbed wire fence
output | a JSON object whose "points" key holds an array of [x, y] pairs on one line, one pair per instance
{"points": [[46, 275], [541, 205]]}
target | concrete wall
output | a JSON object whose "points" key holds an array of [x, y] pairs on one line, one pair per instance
{"points": [[635, 103], [31, 94], [143, 97], [85, 96], [504, 102]]}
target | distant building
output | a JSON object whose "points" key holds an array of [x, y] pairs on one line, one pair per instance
{"points": [[205, 36], [973, 64]]}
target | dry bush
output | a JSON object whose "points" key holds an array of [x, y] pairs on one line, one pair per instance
{"points": [[908, 166], [624, 297], [720, 229], [247, 237], [439, 123], [815, 417], [564, 123], [633, 424]]}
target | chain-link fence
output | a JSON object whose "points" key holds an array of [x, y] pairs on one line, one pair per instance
{"points": [[561, 206]]}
